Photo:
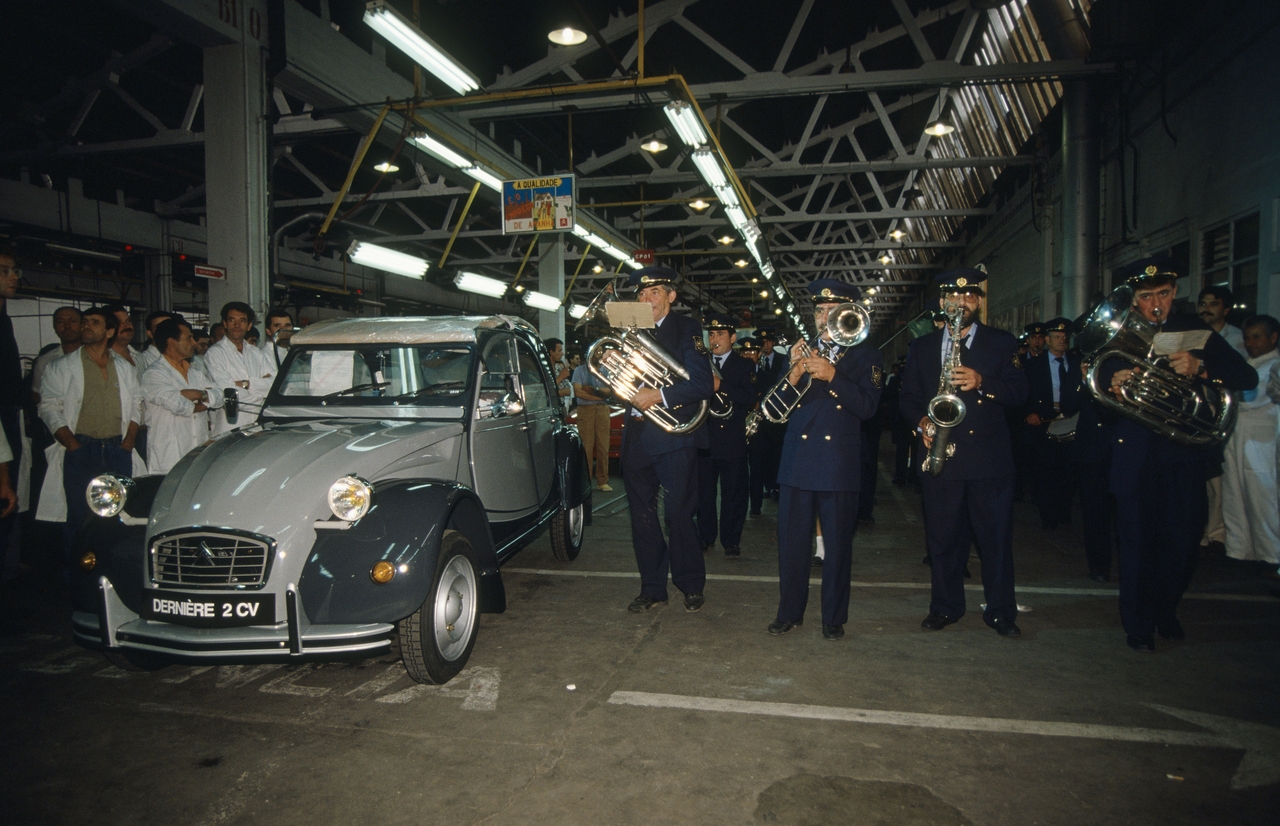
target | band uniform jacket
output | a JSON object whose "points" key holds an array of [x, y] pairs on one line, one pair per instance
{"points": [[681, 337], [1040, 383], [823, 446], [1095, 430], [738, 382], [983, 446], [1138, 450], [767, 377]]}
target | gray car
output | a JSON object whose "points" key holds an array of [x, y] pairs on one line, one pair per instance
{"points": [[395, 465]]}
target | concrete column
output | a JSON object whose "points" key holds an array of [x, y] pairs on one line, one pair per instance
{"points": [[235, 159], [1080, 173], [551, 282]]}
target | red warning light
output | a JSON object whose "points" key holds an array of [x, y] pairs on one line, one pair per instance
{"points": [[182, 258], [128, 247]]}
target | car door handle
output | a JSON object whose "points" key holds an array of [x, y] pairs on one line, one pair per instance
{"points": [[524, 427]]}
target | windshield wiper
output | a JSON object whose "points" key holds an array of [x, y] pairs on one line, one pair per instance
{"points": [[431, 388], [359, 388]]}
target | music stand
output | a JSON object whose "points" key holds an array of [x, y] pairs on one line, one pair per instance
{"points": [[630, 314]]}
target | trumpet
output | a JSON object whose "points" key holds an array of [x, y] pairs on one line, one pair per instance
{"points": [[848, 325], [721, 406]]}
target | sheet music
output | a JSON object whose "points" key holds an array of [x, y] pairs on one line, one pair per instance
{"points": [[1168, 343], [630, 314]]}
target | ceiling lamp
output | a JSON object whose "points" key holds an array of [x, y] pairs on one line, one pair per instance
{"points": [[725, 239], [885, 259], [597, 269], [577, 311], [406, 37], [542, 301], [440, 151], [912, 193], [939, 128], [764, 293], [518, 288], [653, 146], [388, 260], [473, 283], [777, 311], [567, 36], [686, 122], [699, 204], [755, 280], [897, 235], [741, 262], [387, 166]]}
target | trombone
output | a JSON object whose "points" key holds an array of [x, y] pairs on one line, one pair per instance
{"points": [[848, 325]]}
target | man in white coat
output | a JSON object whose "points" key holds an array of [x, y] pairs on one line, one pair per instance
{"points": [[275, 348], [234, 363], [178, 395], [92, 404], [1250, 509]]}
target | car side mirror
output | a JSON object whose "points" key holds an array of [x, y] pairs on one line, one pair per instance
{"points": [[508, 405], [231, 404]]}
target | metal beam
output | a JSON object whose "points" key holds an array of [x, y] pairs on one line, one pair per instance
{"points": [[795, 170]]}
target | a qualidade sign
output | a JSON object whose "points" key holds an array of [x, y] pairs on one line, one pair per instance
{"points": [[538, 204], [208, 271]]}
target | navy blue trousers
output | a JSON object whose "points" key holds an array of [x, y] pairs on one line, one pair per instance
{"points": [[954, 511], [727, 471], [676, 473], [797, 510], [1096, 508], [1160, 523]]}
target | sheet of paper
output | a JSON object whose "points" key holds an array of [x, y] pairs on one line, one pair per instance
{"points": [[331, 371], [630, 314], [1167, 343]]}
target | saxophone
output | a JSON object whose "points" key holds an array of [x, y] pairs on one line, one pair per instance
{"points": [[946, 409]]}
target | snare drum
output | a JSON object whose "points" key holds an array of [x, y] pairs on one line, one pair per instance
{"points": [[1063, 428]]}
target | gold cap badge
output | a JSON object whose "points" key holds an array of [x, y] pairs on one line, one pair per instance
{"points": [[1152, 270], [960, 282]]}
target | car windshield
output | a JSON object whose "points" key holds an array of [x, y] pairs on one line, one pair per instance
{"points": [[430, 375]]}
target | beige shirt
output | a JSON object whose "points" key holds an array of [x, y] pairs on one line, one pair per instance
{"points": [[100, 410]]}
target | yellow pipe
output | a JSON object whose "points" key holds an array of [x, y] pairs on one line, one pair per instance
{"points": [[527, 253], [458, 226], [581, 261], [351, 173], [640, 43]]}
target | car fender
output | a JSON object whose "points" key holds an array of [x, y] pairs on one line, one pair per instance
{"points": [[119, 551], [404, 527], [571, 462]]}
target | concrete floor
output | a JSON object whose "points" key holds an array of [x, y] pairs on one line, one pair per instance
{"points": [[574, 711]]}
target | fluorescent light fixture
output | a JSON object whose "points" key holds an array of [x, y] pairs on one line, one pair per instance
{"points": [[406, 37], [386, 166], [541, 301], [686, 122], [751, 232], [485, 177], [105, 256], [707, 164], [577, 311], [434, 147], [728, 198], [778, 291], [699, 204], [653, 146], [388, 260], [791, 308], [767, 269], [725, 239], [633, 264], [938, 129], [736, 217], [474, 283], [567, 36]]}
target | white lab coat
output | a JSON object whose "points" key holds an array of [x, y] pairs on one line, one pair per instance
{"points": [[175, 427], [1250, 509], [60, 399], [226, 365]]}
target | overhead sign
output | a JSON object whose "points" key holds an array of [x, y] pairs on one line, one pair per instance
{"points": [[538, 204], [643, 257], [207, 271]]}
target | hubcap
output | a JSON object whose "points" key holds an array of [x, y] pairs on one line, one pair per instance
{"points": [[455, 608], [576, 522]]}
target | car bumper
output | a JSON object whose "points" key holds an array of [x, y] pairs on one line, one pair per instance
{"points": [[116, 626]]}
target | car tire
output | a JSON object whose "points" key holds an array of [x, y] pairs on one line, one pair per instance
{"points": [[566, 533], [134, 660], [436, 640]]}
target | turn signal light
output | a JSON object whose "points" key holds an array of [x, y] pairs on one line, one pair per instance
{"points": [[382, 572], [89, 561]]}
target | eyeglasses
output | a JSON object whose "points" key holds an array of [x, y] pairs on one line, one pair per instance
{"points": [[10, 271]]}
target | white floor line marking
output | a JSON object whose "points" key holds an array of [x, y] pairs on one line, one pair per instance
{"points": [[1261, 744], [191, 671], [1021, 589], [384, 680], [285, 683], [480, 694]]}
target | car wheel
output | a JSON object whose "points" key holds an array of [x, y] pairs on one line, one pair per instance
{"points": [[135, 660], [566, 533], [436, 640]]}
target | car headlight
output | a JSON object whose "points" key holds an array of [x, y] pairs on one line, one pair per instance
{"points": [[107, 494], [350, 498]]}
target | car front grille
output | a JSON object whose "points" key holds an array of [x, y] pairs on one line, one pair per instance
{"points": [[209, 560]]}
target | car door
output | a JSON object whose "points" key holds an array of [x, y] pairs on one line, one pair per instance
{"points": [[543, 409], [501, 464]]}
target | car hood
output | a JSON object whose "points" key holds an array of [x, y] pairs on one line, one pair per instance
{"points": [[274, 479]]}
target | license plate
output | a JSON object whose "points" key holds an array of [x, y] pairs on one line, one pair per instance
{"points": [[210, 610]]}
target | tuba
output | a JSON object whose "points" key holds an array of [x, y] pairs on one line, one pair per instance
{"points": [[848, 325], [1180, 408], [946, 409]]}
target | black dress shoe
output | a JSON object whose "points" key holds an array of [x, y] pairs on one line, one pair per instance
{"points": [[967, 575], [1099, 577], [777, 629], [816, 562], [732, 553], [643, 603], [754, 513], [928, 560], [832, 632], [694, 602], [1142, 642], [936, 622], [1006, 628], [706, 546], [1171, 629]]}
